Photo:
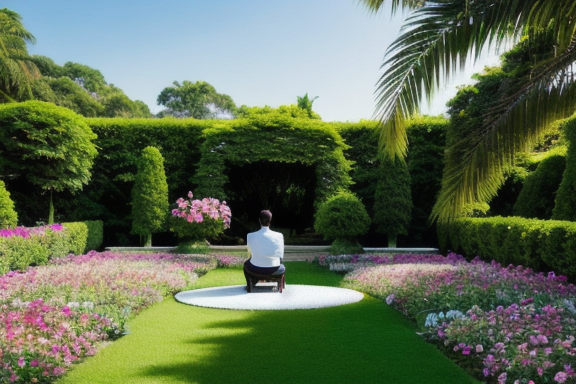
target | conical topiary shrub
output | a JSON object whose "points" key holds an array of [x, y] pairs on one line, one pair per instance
{"points": [[150, 207], [8, 216]]}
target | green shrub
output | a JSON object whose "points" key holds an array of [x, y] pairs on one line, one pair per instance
{"points": [[342, 217], [77, 234], [8, 216], [536, 199], [149, 196], [543, 245], [392, 200], [565, 207], [95, 235], [17, 253], [196, 232]]}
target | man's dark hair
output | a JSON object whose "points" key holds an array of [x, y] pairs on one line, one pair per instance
{"points": [[265, 218]]}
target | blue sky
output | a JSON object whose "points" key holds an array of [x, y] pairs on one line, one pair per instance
{"points": [[260, 52]]}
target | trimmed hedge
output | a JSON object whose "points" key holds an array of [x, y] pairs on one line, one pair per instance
{"points": [[17, 252], [95, 235], [543, 245], [536, 199]]}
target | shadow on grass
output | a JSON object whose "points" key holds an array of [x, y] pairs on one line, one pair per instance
{"points": [[357, 343], [364, 342]]}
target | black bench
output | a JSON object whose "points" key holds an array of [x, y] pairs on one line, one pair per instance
{"points": [[254, 278]]}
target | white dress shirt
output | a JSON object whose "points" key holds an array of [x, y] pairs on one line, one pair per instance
{"points": [[266, 248]]}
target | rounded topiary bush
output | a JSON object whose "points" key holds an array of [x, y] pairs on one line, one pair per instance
{"points": [[8, 216], [536, 199], [342, 219]]}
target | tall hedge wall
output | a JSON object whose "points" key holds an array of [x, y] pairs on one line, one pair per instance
{"points": [[543, 245], [565, 207], [427, 137]]}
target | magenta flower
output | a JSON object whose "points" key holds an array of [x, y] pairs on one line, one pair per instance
{"points": [[560, 377]]}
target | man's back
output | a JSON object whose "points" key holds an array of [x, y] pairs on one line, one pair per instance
{"points": [[266, 247]]}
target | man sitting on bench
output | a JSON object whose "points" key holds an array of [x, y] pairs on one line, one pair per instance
{"points": [[266, 250]]}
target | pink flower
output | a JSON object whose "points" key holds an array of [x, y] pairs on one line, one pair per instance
{"points": [[560, 377], [479, 348], [540, 371], [21, 362]]}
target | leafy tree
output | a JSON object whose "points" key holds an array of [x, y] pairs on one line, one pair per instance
{"points": [[436, 37], [65, 92], [8, 216], [392, 200], [305, 103], [84, 90], [50, 146], [119, 105], [17, 70], [198, 100], [149, 196], [565, 207], [536, 199]]}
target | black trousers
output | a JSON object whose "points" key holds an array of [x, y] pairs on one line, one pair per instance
{"points": [[263, 271]]}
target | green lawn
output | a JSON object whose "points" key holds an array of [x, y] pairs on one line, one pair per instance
{"points": [[365, 342]]}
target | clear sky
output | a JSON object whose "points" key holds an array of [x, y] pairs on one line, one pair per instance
{"points": [[260, 52]]}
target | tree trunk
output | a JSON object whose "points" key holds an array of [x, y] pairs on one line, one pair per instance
{"points": [[392, 241], [51, 212], [148, 240]]}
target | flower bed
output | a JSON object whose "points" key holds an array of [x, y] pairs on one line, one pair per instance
{"points": [[352, 262], [54, 315], [504, 324]]}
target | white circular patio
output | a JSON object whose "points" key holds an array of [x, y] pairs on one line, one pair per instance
{"points": [[264, 298]]}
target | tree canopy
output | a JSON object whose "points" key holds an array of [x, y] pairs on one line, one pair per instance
{"points": [[198, 100], [436, 40]]}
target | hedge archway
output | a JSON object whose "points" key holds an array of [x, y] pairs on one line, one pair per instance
{"points": [[272, 139]]}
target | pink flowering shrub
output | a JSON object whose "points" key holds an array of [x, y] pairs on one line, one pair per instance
{"points": [[504, 324], [200, 219], [54, 315]]}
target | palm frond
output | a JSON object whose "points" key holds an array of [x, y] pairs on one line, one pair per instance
{"points": [[475, 165], [376, 5], [436, 41]]}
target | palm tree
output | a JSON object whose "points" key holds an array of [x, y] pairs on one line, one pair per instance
{"points": [[436, 40], [16, 68]]}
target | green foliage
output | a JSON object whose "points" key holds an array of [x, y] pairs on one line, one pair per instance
{"points": [[83, 90], [426, 153], [77, 233], [17, 253], [196, 232], [536, 199], [193, 248], [565, 207], [95, 236], [50, 146], [542, 245], [8, 216], [245, 112], [272, 137], [345, 247], [198, 100], [17, 70], [66, 93], [342, 217], [149, 195], [305, 103], [392, 199]]}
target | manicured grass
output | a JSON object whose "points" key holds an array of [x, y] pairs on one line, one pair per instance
{"points": [[365, 342]]}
